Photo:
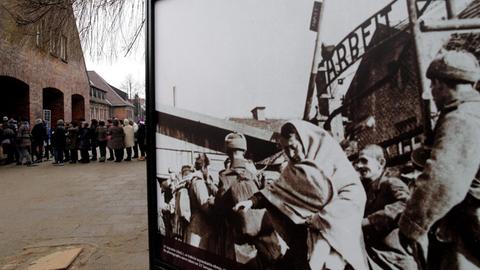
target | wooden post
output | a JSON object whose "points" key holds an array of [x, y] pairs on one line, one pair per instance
{"points": [[421, 70]]}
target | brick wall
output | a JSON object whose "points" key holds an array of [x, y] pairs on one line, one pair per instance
{"points": [[20, 58], [386, 88], [123, 112]]}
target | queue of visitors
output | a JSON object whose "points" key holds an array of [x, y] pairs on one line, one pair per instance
{"points": [[29, 146]]}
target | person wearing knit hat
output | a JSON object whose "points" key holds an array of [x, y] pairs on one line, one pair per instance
{"points": [[457, 66], [446, 198]]}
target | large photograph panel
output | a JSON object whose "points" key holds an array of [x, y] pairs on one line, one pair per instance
{"points": [[294, 135]]}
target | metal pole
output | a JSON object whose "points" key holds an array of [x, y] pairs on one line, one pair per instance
{"points": [[449, 6], [416, 33], [451, 25], [315, 62], [454, 7], [174, 97]]}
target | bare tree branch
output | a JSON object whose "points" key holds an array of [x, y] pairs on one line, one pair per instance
{"points": [[106, 27]]}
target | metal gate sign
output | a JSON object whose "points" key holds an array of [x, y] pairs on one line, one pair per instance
{"points": [[355, 44]]}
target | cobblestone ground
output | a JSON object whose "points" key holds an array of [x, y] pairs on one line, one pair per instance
{"points": [[101, 207]]}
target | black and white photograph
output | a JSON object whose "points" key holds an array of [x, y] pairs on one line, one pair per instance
{"points": [[317, 134]]}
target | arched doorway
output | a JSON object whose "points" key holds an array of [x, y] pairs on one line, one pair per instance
{"points": [[78, 108], [15, 101], [53, 102]]}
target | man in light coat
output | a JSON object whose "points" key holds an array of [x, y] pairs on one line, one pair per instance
{"points": [[129, 138], [446, 198]]}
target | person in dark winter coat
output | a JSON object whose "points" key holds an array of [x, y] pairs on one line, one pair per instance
{"points": [[8, 142], [386, 197], [109, 137], [93, 138], [84, 143], [72, 142], [59, 141], [101, 137], [446, 197], [117, 140], [48, 143], [141, 138], [39, 135]]}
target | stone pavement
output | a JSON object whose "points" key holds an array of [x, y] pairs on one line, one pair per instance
{"points": [[101, 207]]}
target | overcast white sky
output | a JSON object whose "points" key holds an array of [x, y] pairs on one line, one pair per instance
{"points": [[225, 57], [117, 70]]}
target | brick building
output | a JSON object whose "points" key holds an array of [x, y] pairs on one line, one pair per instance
{"points": [[99, 105], [385, 90], [42, 72], [121, 107], [108, 101]]}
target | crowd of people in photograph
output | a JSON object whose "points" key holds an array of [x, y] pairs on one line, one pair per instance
{"points": [[324, 211], [24, 145]]}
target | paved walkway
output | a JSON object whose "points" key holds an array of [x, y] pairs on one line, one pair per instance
{"points": [[100, 207]]}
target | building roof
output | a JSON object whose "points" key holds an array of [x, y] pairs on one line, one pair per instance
{"points": [[209, 132], [121, 93], [100, 101], [111, 95], [247, 130]]}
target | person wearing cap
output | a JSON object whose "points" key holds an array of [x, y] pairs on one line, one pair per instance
{"points": [[386, 197], [241, 233], [446, 197]]}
